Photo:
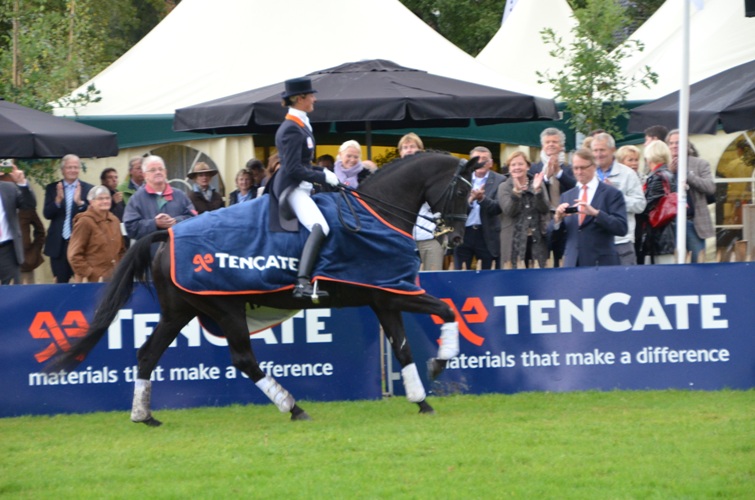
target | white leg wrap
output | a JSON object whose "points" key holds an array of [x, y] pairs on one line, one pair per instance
{"points": [[415, 391], [449, 341], [277, 394], [142, 399]]}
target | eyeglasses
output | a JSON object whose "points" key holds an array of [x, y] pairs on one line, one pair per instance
{"points": [[582, 168], [154, 170]]}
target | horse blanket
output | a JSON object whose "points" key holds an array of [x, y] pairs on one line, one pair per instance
{"points": [[231, 250]]}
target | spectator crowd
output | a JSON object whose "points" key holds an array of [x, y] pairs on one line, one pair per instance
{"points": [[596, 206]]}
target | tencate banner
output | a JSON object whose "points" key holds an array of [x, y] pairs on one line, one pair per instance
{"points": [[642, 327], [319, 354]]}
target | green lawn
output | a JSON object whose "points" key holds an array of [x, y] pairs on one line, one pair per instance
{"points": [[660, 444]]}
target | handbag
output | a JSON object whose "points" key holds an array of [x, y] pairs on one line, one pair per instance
{"points": [[665, 210]]}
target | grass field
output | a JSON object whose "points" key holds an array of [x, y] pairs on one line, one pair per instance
{"points": [[660, 444]]}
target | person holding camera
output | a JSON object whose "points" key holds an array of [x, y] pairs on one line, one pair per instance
{"points": [[590, 215], [14, 195]]}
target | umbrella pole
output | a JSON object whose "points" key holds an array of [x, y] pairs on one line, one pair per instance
{"points": [[368, 139]]}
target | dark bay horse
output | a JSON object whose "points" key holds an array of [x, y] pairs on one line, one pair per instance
{"points": [[396, 193]]}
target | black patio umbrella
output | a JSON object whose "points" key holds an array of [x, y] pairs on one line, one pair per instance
{"points": [[727, 98], [28, 133], [369, 95]]}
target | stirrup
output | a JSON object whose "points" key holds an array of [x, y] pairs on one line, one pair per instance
{"points": [[304, 290]]}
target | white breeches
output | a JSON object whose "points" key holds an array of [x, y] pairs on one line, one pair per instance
{"points": [[305, 208]]}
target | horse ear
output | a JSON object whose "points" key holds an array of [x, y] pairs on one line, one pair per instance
{"points": [[472, 165]]}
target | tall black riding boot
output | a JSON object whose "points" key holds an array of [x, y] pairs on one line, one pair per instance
{"points": [[303, 288]]}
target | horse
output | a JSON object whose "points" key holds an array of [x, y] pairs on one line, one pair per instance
{"points": [[395, 193]]}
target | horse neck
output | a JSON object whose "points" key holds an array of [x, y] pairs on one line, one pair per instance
{"points": [[402, 191]]}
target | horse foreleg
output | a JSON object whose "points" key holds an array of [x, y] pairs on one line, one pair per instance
{"points": [[243, 358], [393, 326], [148, 356], [449, 331]]}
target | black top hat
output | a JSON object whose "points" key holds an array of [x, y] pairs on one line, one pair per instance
{"points": [[298, 86]]}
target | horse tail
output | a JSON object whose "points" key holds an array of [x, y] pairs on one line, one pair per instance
{"points": [[133, 267]]}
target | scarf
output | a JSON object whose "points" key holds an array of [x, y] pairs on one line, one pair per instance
{"points": [[348, 176]]}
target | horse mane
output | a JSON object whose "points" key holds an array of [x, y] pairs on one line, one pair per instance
{"points": [[398, 162]]}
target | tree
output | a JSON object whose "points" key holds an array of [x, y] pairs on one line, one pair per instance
{"points": [[469, 24], [50, 47], [590, 83]]}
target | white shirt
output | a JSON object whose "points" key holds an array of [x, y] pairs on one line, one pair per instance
{"points": [[473, 218], [592, 186], [300, 115], [419, 233], [4, 227]]}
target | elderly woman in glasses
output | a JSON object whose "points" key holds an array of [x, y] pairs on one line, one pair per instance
{"points": [[96, 244]]}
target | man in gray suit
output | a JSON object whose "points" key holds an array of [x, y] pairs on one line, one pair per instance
{"points": [[700, 185], [14, 194], [483, 226]]}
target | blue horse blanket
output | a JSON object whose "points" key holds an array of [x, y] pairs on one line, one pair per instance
{"points": [[231, 250]]}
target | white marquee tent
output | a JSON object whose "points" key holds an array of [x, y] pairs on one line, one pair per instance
{"points": [[721, 37], [205, 50], [517, 49]]}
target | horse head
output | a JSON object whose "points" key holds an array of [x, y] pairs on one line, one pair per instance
{"points": [[452, 205]]}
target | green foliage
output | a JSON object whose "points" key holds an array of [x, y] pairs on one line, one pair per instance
{"points": [[590, 83], [469, 24], [387, 157], [656, 444], [57, 45]]}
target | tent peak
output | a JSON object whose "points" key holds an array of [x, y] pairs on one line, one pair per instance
{"points": [[367, 65]]}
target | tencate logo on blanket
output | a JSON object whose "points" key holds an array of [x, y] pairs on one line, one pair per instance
{"points": [[259, 262]]}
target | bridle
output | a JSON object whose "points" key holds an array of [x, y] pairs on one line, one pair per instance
{"points": [[446, 214], [448, 198]]}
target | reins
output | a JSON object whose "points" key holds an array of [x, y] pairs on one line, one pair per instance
{"points": [[441, 228]]}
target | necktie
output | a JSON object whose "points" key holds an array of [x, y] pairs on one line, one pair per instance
{"points": [[583, 199], [69, 209]]}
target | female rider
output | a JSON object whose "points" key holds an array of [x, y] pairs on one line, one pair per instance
{"points": [[293, 182]]}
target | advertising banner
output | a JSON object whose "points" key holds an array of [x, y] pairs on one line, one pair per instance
{"points": [[641, 327], [318, 355], [635, 328]]}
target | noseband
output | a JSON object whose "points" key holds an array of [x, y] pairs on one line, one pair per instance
{"points": [[446, 214]]}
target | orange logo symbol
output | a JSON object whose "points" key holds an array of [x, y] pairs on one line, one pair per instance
{"points": [[45, 326], [474, 312], [203, 262]]}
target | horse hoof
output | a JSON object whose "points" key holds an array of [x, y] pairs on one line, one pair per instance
{"points": [[299, 414], [150, 422], [435, 367], [425, 408]]}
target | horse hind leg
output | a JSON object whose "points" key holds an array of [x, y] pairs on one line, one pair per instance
{"points": [[148, 356], [243, 358]]}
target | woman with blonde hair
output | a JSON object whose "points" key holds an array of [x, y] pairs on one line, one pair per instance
{"points": [[525, 212], [349, 167], [630, 156], [96, 244], [659, 243]]}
